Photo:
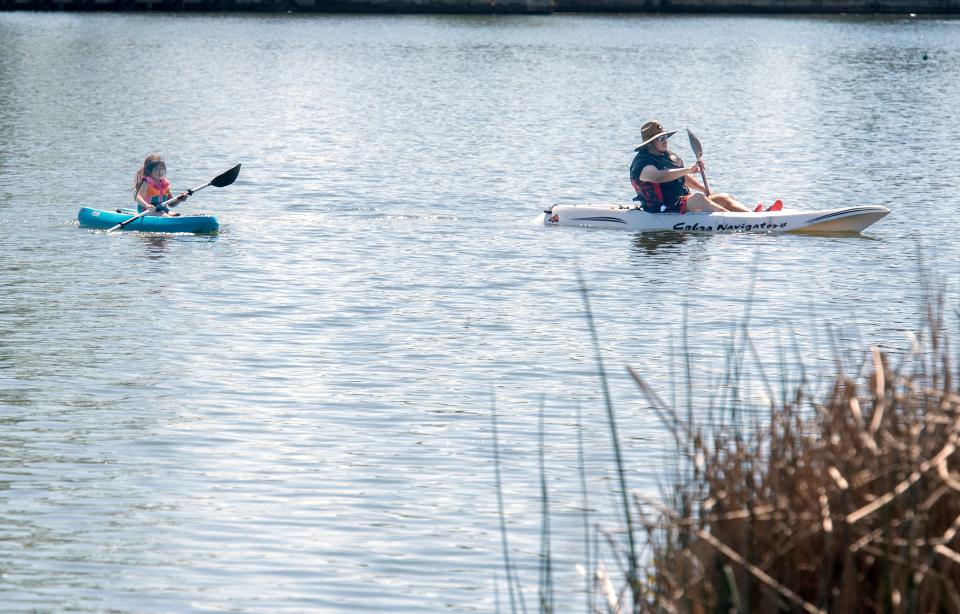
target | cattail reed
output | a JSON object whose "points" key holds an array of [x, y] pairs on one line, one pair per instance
{"points": [[845, 503], [850, 503]]}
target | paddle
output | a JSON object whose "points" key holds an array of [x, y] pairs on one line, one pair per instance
{"points": [[220, 181], [698, 152]]}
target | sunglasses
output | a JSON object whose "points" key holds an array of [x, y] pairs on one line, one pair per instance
{"points": [[661, 139]]}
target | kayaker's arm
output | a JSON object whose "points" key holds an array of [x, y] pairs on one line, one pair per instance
{"points": [[183, 196], [653, 174], [693, 184], [147, 206], [144, 205]]}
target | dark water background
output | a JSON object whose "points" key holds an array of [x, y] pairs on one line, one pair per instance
{"points": [[294, 415]]}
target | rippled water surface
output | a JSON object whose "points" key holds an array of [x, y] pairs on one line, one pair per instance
{"points": [[294, 415]]}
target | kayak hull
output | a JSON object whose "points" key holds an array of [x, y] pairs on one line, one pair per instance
{"points": [[98, 218], [843, 220]]}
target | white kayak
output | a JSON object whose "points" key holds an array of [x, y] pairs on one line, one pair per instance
{"points": [[846, 219]]}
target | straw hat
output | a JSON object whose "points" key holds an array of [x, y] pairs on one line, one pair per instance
{"points": [[651, 130]]}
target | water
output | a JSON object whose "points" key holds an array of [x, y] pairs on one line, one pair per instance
{"points": [[294, 415]]}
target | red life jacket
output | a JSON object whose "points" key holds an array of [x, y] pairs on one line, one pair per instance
{"points": [[655, 197]]}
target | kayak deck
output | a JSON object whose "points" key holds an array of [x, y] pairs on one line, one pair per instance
{"points": [[102, 219], [842, 220]]}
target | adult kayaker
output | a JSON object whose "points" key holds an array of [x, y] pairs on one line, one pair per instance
{"points": [[664, 185], [151, 187]]}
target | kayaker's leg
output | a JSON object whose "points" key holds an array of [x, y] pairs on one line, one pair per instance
{"points": [[729, 203], [699, 202]]}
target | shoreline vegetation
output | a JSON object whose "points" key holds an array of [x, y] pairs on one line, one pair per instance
{"points": [[847, 500], [490, 7]]}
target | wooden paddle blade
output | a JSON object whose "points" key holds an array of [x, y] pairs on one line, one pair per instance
{"points": [[698, 152], [226, 178], [695, 145]]}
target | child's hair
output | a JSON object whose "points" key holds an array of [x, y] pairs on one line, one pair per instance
{"points": [[152, 162]]}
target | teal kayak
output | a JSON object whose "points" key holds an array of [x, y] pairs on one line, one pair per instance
{"points": [[98, 218]]}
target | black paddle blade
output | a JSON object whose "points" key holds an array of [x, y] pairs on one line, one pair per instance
{"points": [[226, 178], [695, 145]]}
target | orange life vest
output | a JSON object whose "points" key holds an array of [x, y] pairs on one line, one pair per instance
{"points": [[157, 191]]}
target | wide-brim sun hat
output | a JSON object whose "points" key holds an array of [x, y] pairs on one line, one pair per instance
{"points": [[651, 130]]}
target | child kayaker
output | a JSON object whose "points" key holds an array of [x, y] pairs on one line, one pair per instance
{"points": [[151, 188]]}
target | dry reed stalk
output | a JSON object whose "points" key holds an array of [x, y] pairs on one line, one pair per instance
{"points": [[735, 556], [605, 587], [852, 507]]}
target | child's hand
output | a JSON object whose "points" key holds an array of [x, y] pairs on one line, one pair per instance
{"points": [[182, 197]]}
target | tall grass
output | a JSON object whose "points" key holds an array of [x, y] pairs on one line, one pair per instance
{"points": [[845, 503], [842, 504]]}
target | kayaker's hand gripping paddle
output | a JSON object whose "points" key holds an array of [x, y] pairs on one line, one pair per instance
{"points": [[698, 152], [220, 181]]}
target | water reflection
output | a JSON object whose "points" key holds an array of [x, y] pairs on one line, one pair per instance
{"points": [[649, 243], [838, 236], [158, 246]]}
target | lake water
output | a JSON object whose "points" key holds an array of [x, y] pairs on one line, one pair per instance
{"points": [[294, 415]]}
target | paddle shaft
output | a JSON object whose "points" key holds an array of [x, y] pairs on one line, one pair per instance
{"points": [[706, 186]]}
